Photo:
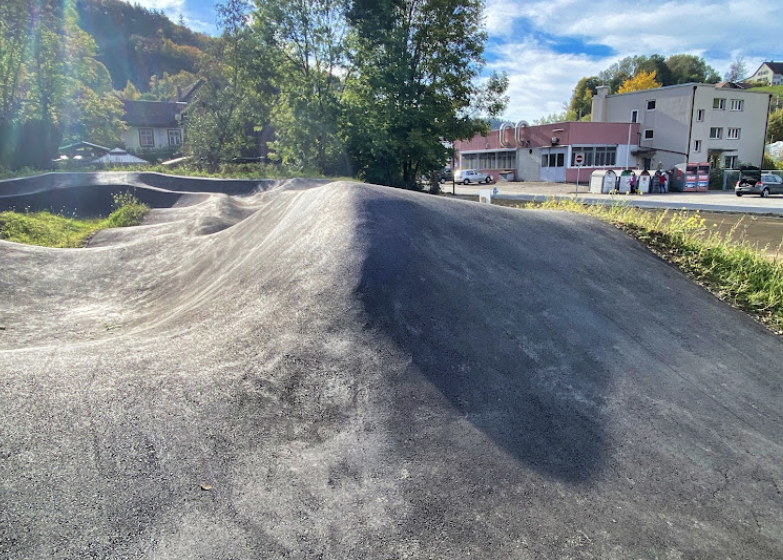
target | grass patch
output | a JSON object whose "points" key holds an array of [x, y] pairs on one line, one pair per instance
{"points": [[729, 268], [52, 230]]}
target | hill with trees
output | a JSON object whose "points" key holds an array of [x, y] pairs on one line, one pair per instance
{"points": [[634, 73], [136, 44], [368, 88]]}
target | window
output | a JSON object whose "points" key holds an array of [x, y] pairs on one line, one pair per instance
{"points": [[719, 103], [736, 104], [598, 156], [635, 116], [175, 137], [730, 162], [733, 133], [700, 115], [648, 134], [469, 161], [651, 105], [697, 145], [146, 138], [716, 133], [553, 160]]}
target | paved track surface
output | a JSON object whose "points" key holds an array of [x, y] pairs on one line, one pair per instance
{"points": [[351, 371]]}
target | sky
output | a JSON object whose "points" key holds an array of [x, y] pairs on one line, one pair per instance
{"points": [[546, 46]]}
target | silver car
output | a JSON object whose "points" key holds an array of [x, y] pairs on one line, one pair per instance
{"points": [[468, 176], [767, 185]]}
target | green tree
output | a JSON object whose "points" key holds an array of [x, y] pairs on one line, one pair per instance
{"points": [[656, 64], [581, 104], [16, 22], [418, 61], [94, 117], [311, 45], [686, 68], [129, 92], [617, 73], [230, 108], [552, 118], [165, 88], [775, 126]]}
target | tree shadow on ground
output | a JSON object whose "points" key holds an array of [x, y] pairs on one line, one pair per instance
{"points": [[498, 323]]}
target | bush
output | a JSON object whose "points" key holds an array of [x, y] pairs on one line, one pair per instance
{"points": [[128, 211]]}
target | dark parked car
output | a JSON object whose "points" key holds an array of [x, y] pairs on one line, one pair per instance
{"points": [[766, 185], [445, 175]]}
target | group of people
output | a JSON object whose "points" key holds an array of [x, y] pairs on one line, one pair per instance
{"points": [[659, 182]]}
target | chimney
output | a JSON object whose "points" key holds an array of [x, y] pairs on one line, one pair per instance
{"points": [[599, 104]]}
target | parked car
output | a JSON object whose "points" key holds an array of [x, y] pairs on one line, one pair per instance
{"points": [[445, 175], [468, 176], [768, 184]]}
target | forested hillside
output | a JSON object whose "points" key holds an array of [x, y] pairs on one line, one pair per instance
{"points": [[135, 43]]}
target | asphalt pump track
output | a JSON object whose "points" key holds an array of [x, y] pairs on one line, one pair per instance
{"points": [[299, 369]]}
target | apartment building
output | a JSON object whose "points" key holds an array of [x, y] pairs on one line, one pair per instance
{"points": [[690, 123]]}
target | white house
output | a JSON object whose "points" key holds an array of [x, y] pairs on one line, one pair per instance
{"points": [[690, 123], [769, 72], [153, 125]]}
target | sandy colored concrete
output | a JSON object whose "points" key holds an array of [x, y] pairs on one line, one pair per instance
{"points": [[351, 371]]}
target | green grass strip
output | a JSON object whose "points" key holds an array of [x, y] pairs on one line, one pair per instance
{"points": [[52, 230]]}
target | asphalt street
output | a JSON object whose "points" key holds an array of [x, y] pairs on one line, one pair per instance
{"points": [[713, 201], [309, 370]]}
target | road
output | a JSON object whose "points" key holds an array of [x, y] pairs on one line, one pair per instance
{"points": [[713, 201]]}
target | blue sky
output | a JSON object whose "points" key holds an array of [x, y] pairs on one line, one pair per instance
{"points": [[546, 46]]}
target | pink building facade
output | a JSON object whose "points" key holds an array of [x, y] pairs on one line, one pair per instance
{"points": [[550, 152]]}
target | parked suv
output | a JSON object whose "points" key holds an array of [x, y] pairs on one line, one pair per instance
{"points": [[768, 184], [468, 176]]}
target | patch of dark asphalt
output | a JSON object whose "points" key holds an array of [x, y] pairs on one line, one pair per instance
{"points": [[356, 371]]}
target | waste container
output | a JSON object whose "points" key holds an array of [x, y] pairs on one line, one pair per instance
{"points": [[642, 181], [603, 181], [625, 181]]}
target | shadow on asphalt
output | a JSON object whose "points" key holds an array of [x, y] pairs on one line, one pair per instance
{"points": [[478, 316]]}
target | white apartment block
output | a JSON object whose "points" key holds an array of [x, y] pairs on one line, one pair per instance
{"points": [[690, 123]]}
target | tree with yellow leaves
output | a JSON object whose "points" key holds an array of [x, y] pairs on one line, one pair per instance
{"points": [[642, 80]]}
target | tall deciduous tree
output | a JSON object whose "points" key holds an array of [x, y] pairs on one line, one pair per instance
{"points": [[581, 104], [737, 71], [641, 81], [417, 88], [311, 41], [686, 68], [232, 105], [775, 126]]}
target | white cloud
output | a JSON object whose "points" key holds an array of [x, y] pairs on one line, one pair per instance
{"points": [[541, 78]]}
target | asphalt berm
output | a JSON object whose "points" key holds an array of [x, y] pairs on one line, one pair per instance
{"points": [[308, 370]]}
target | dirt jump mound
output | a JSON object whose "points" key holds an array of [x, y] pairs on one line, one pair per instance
{"points": [[308, 370]]}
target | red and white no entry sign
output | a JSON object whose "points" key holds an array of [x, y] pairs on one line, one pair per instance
{"points": [[579, 159]]}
